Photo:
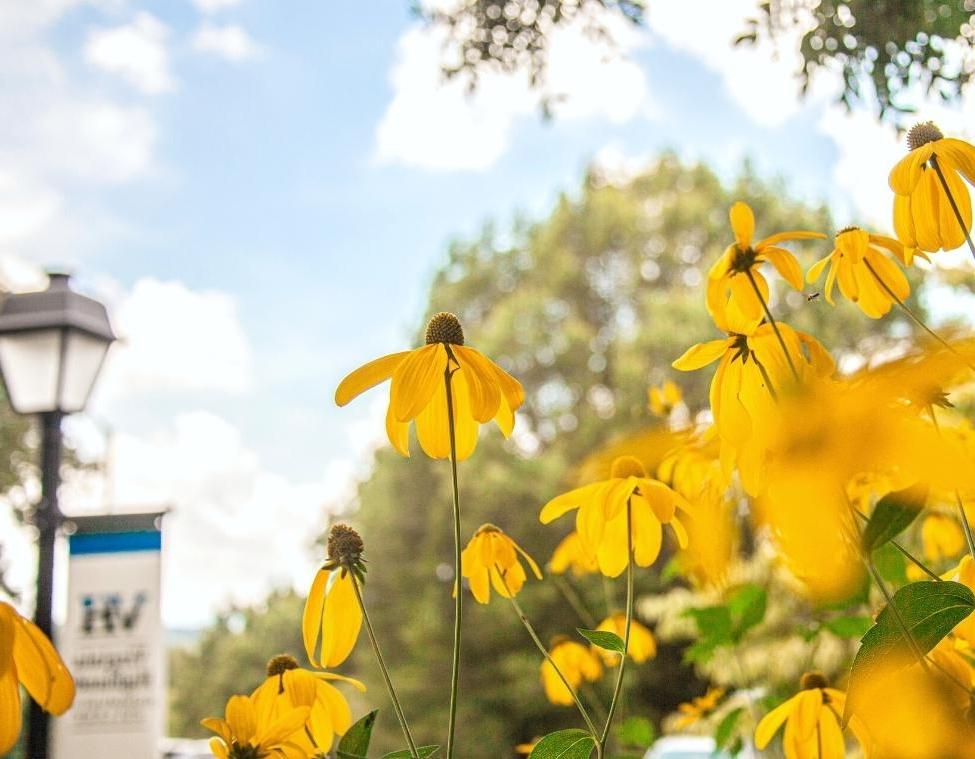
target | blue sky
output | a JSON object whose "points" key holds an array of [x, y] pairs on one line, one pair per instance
{"points": [[262, 191]]}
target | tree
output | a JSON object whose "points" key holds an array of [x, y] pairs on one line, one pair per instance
{"points": [[587, 307], [884, 50]]}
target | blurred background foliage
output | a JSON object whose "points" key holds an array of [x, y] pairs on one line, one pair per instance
{"points": [[587, 307], [874, 46]]}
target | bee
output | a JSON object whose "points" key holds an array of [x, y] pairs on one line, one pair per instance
{"points": [[811, 297]]}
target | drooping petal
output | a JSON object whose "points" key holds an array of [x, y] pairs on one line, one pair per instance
{"points": [[398, 432], [771, 722], [795, 234], [816, 270], [40, 668], [219, 726], [647, 536], [282, 728], [484, 393], [960, 155], [367, 376], [10, 709], [785, 264], [219, 749], [341, 622], [300, 686], [337, 708], [311, 619], [416, 380], [432, 426], [808, 705], [907, 171], [567, 501]]}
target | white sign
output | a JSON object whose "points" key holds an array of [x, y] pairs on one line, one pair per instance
{"points": [[113, 644]]}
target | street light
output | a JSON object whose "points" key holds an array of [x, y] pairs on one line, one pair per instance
{"points": [[52, 346]]}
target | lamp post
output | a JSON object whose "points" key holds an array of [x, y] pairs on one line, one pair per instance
{"points": [[52, 347]]}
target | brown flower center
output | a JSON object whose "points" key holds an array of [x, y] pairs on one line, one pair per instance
{"points": [[345, 547], [627, 466], [812, 680], [851, 228], [444, 328], [922, 134], [280, 664]]}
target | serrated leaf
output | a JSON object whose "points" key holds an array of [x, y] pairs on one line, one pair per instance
{"points": [[849, 627], [564, 744], [422, 752], [929, 610], [355, 742], [726, 727], [636, 731], [892, 515], [604, 639]]}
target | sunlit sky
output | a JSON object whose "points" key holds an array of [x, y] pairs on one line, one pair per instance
{"points": [[261, 192]]}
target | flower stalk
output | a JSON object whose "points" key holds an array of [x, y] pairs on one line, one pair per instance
{"points": [[772, 323], [458, 596], [951, 201]]}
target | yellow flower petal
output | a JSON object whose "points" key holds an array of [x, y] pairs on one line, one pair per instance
{"points": [[341, 622], [484, 394], [742, 223], [564, 503], [785, 264], [40, 669], [367, 376], [794, 234], [416, 380], [771, 722], [242, 718], [311, 621], [702, 354], [10, 709]]}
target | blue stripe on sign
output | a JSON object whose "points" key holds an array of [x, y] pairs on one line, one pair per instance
{"points": [[114, 542]]}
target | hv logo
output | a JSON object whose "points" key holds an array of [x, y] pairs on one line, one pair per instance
{"points": [[110, 613]]}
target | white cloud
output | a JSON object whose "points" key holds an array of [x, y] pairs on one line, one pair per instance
{"points": [[760, 78], [214, 6], [438, 125], [176, 340], [135, 52], [231, 42]]}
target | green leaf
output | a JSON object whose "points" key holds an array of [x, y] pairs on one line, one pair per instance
{"points": [[422, 751], [891, 564], [929, 610], [609, 641], [747, 607], [726, 728], [637, 732], [713, 622], [892, 514], [564, 744], [849, 627], [355, 742]]}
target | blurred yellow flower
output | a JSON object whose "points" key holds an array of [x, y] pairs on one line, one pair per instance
{"points": [[27, 658], [601, 519], [643, 646], [664, 398], [941, 537], [480, 389], [288, 687], [865, 274], [248, 733], [491, 558], [526, 748], [332, 618], [923, 217], [576, 662], [964, 573], [698, 708], [734, 277], [571, 554], [812, 722]]}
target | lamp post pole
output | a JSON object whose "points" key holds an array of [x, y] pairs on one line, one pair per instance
{"points": [[47, 519]]}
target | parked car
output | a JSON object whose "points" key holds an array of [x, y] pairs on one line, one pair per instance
{"points": [[692, 747]]}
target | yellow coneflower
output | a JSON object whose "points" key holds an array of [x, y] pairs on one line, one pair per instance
{"points": [[864, 273], [941, 537], [491, 558], [576, 662], [601, 519], [923, 215], [643, 646], [664, 399], [571, 554], [288, 686], [698, 708], [332, 617], [480, 391], [737, 290], [247, 732], [27, 658], [812, 722]]}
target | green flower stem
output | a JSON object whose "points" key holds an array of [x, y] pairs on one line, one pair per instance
{"points": [[382, 667], [571, 595], [951, 200], [962, 516], [458, 595], [772, 322], [548, 657], [614, 702], [914, 317]]}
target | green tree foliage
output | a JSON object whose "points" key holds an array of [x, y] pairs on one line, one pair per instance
{"points": [[587, 307], [885, 50]]}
